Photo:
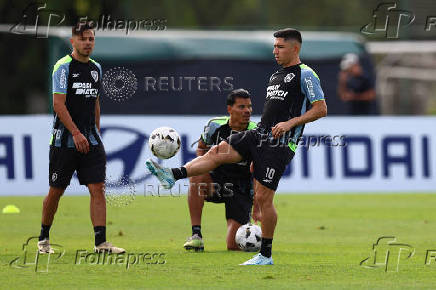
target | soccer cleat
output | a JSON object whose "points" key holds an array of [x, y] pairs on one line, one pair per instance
{"points": [[108, 247], [259, 260], [164, 175], [194, 243], [44, 247]]}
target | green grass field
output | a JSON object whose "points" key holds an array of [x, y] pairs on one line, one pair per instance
{"points": [[320, 241]]}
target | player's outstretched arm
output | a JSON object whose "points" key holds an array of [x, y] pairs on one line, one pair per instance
{"points": [[61, 110], [318, 110]]}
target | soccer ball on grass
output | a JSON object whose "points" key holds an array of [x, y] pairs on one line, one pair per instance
{"points": [[249, 238]]}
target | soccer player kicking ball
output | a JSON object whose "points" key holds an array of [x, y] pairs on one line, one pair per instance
{"points": [[230, 184], [293, 98], [76, 144]]}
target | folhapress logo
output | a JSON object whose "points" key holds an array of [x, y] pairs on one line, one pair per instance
{"points": [[388, 19], [37, 18], [386, 253], [32, 258]]}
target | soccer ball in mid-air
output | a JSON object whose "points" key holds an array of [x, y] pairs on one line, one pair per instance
{"points": [[164, 142], [249, 237]]}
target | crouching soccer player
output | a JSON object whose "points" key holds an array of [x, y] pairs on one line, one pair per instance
{"points": [[230, 184], [76, 144], [293, 98]]}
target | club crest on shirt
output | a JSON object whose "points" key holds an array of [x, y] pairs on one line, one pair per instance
{"points": [[288, 78], [94, 75], [273, 76]]}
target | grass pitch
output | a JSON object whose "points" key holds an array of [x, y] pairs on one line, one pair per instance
{"points": [[319, 243]]}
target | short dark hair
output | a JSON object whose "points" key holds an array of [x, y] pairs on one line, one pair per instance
{"points": [[82, 26], [238, 93], [289, 33]]}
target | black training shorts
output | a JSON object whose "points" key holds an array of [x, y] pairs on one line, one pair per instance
{"points": [[90, 167], [270, 156], [238, 202]]}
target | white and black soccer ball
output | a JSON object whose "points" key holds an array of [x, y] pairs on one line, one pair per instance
{"points": [[164, 142], [249, 238]]}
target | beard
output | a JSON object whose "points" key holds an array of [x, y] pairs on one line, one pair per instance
{"points": [[84, 52]]}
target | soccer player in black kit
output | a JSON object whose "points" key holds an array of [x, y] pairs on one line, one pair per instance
{"points": [[293, 98], [75, 143], [230, 184]]}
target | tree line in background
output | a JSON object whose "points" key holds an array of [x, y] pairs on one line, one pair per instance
{"points": [[24, 58]]}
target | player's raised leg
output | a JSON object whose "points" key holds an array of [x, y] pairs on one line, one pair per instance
{"points": [[49, 208], [217, 155], [98, 219]]}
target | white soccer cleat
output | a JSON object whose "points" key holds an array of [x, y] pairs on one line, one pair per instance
{"points": [[164, 175], [108, 247], [258, 259], [44, 247]]}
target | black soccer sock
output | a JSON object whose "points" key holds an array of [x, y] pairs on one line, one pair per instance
{"points": [[179, 173], [45, 232], [100, 234], [265, 248], [197, 230]]}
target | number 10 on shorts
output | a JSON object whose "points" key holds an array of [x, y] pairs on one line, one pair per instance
{"points": [[270, 173]]}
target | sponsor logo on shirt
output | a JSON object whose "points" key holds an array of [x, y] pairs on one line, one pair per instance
{"points": [[85, 89], [273, 92]]}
